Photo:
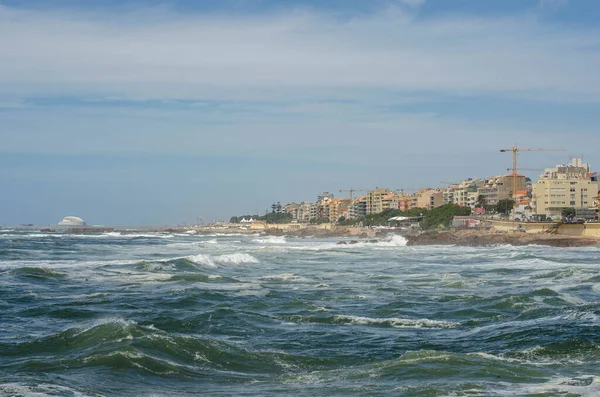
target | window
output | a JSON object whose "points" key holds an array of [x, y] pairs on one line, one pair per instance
{"points": [[572, 202]]}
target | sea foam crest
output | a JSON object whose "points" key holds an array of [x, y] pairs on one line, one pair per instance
{"points": [[394, 240], [396, 322], [135, 235], [213, 261], [271, 240]]}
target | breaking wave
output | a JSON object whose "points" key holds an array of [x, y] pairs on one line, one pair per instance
{"points": [[213, 261]]}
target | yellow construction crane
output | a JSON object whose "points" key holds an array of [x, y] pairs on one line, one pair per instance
{"points": [[515, 150], [351, 191]]}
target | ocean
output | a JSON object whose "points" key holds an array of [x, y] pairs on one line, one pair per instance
{"points": [[163, 314]]}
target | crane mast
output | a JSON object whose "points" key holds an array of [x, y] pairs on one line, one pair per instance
{"points": [[515, 151], [351, 191]]}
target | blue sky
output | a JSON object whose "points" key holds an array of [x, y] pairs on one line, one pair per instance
{"points": [[155, 112]]}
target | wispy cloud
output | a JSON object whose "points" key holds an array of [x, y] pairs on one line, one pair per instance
{"points": [[161, 54]]}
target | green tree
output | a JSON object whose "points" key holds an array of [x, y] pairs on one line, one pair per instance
{"points": [[481, 202], [442, 216], [569, 212], [505, 206], [278, 217]]}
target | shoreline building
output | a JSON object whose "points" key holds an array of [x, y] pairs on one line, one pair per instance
{"points": [[358, 208], [381, 199], [500, 187], [464, 193], [569, 185]]}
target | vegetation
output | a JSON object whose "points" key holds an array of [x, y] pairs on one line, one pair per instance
{"points": [[431, 219], [569, 212], [272, 217], [442, 216], [481, 202], [238, 219], [505, 206]]}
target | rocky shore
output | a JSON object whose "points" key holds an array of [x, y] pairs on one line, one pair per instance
{"points": [[475, 238]]}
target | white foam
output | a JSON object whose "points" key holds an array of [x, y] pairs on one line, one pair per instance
{"points": [[202, 259], [271, 240], [397, 322], [212, 261], [236, 259], [283, 277], [39, 390], [555, 386], [395, 240]]}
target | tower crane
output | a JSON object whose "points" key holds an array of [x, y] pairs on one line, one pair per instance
{"points": [[351, 191], [515, 151]]}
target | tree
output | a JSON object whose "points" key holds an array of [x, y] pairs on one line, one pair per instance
{"points": [[505, 206], [569, 212], [442, 216], [481, 202]]}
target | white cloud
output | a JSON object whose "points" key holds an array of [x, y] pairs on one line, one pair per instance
{"points": [[164, 55]]}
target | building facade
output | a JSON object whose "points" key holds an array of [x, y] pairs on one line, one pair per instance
{"points": [[501, 188], [569, 185]]}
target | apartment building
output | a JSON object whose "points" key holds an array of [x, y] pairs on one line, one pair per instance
{"points": [[358, 208], [306, 211], [292, 209], [566, 185], [337, 209], [324, 196], [464, 193], [430, 198], [379, 200], [407, 202], [501, 188]]}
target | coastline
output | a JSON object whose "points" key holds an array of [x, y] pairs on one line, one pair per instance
{"points": [[462, 237], [479, 238]]}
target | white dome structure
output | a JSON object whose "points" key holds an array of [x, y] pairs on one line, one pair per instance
{"points": [[71, 221]]}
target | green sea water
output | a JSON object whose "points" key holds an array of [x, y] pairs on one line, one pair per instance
{"points": [[231, 315]]}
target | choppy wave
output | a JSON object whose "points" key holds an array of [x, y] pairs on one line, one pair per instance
{"points": [[271, 240], [213, 261], [38, 272], [394, 322], [130, 315]]}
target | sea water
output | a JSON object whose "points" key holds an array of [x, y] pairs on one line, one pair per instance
{"points": [[119, 314]]}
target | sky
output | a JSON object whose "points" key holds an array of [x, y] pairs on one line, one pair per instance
{"points": [[132, 112]]}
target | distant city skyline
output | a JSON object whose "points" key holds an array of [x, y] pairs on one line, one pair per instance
{"points": [[156, 112]]}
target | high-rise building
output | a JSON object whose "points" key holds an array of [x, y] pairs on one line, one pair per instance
{"points": [[569, 185]]}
